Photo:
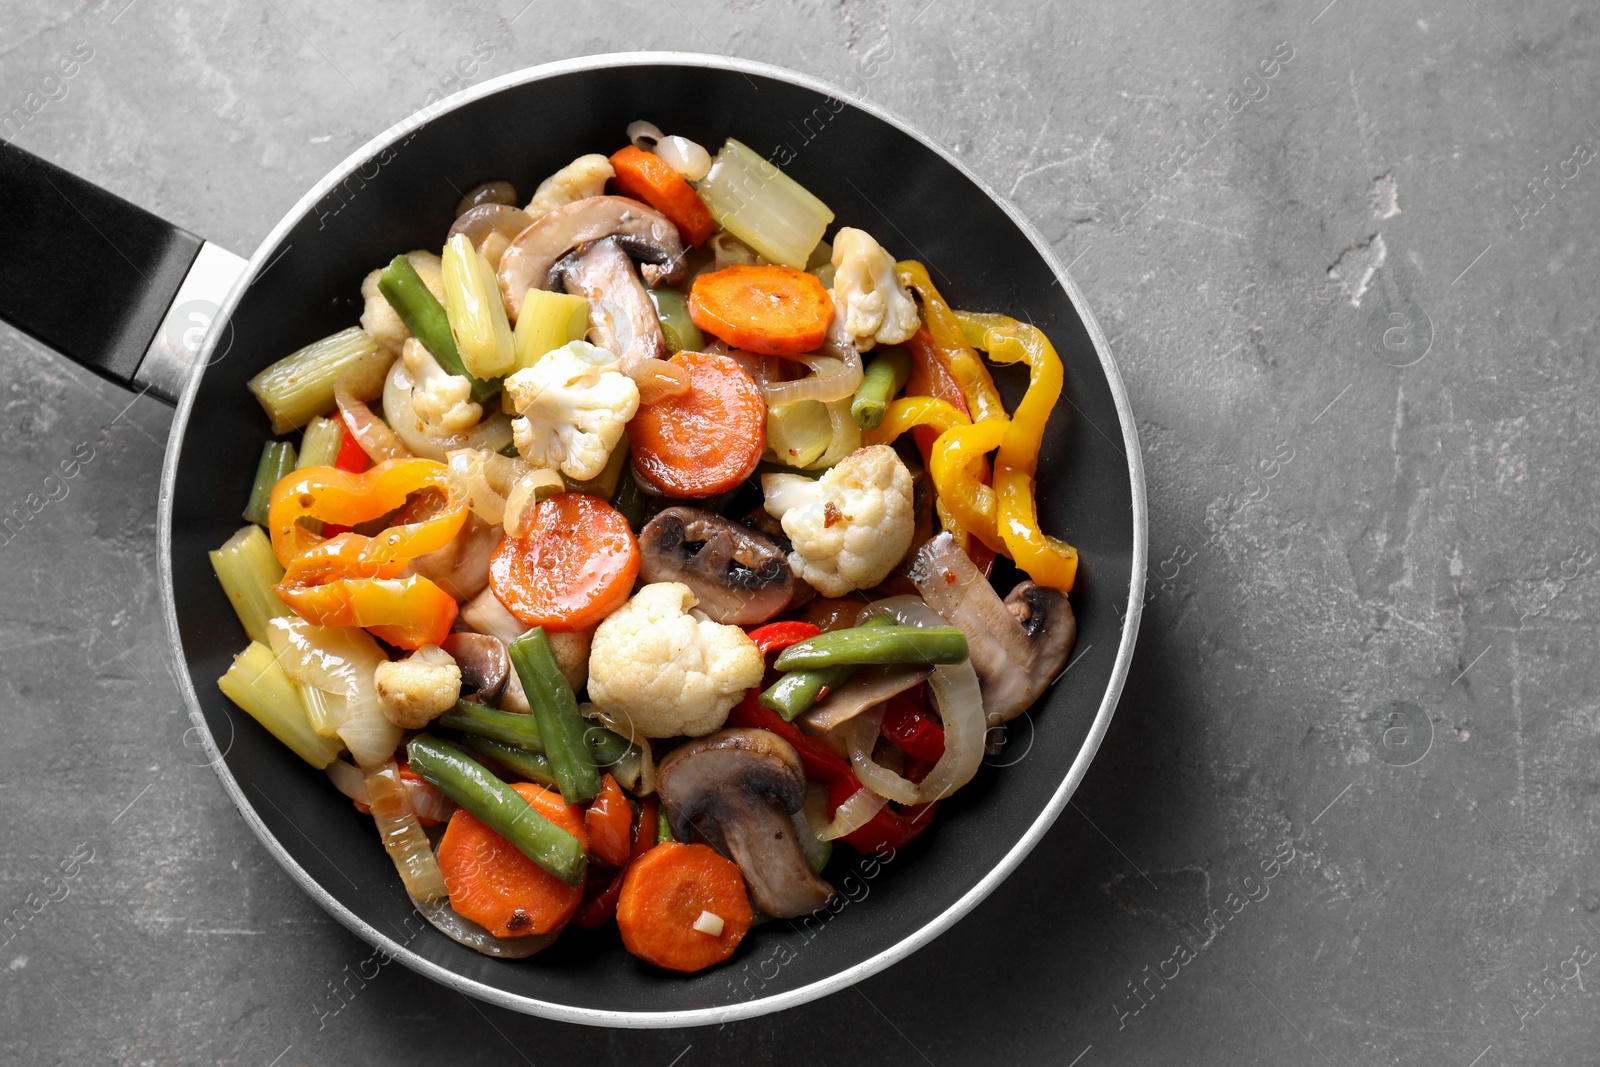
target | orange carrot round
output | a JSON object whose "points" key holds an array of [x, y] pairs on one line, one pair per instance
{"points": [[493, 884], [609, 822], [773, 310], [663, 895], [574, 566], [646, 176], [706, 440]]}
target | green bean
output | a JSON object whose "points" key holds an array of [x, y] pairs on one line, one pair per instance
{"points": [[424, 316], [863, 645], [531, 765], [797, 691], [555, 709], [631, 501], [277, 459], [886, 375], [663, 826], [501, 808], [512, 728]]}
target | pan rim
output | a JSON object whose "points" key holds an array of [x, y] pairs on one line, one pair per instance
{"points": [[761, 1005]]}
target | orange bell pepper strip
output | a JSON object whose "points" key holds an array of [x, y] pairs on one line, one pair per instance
{"points": [[983, 400], [1045, 559], [409, 612], [349, 499]]}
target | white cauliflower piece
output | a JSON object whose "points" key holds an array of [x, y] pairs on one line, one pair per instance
{"points": [[584, 177], [418, 689], [379, 319], [867, 292], [443, 401], [575, 405], [666, 671], [850, 527]]}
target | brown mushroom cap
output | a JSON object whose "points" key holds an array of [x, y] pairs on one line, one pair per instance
{"points": [[643, 233], [620, 311], [734, 789], [738, 575], [483, 661]]}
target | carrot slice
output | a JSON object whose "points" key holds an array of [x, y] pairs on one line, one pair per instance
{"points": [[774, 310], [665, 892], [609, 822], [492, 883], [575, 565], [646, 176], [706, 440]]}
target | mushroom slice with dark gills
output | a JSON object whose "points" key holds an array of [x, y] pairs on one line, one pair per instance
{"points": [[622, 317], [1018, 646], [644, 233], [484, 663], [735, 790], [739, 576]]}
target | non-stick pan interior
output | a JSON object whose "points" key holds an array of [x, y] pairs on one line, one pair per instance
{"points": [[874, 176]]}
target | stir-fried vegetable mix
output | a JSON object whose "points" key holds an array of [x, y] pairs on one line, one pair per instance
{"points": [[614, 583]]}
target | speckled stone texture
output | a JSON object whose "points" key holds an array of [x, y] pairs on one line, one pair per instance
{"points": [[1346, 812]]}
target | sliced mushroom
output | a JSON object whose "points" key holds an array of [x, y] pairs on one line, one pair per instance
{"points": [[621, 315], [643, 233], [870, 687], [735, 790], [1018, 646], [739, 576], [483, 662]]}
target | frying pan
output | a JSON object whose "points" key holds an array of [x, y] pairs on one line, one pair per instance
{"points": [[139, 314]]}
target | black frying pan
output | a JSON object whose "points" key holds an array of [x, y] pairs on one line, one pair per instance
{"points": [[398, 193]]}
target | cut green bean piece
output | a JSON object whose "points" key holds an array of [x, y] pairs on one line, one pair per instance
{"points": [[277, 459], [797, 691], [498, 806], [513, 728], [886, 375], [555, 709], [425, 317], [531, 765], [864, 645]]}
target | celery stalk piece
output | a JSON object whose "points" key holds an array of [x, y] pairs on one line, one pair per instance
{"points": [[247, 571], [547, 322], [476, 312], [320, 445], [762, 206], [277, 460], [799, 433], [257, 684], [299, 386], [677, 328]]}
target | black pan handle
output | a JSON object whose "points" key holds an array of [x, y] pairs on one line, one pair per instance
{"points": [[102, 281]]}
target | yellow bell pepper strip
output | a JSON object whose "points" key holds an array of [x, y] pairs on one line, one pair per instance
{"points": [[347, 499], [409, 612], [947, 336], [956, 466], [912, 411], [1045, 559]]}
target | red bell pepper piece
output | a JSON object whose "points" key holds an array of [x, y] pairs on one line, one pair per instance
{"points": [[888, 829], [777, 636], [914, 733], [351, 458]]}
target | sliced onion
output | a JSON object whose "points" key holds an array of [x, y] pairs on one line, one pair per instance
{"points": [[530, 487], [492, 434], [846, 434], [479, 222], [644, 135], [463, 931], [658, 380], [861, 733], [358, 385], [428, 802], [954, 587], [831, 379], [326, 711], [852, 815], [348, 780], [689, 159], [402, 834], [954, 687], [340, 659], [480, 479], [870, 687], [485, 614]]}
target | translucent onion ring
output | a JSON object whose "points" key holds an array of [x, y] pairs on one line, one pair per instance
{"points": [[861, 733], [851, 816]]}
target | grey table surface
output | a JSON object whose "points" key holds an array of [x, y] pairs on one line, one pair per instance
{"points": [[1354, 318]]}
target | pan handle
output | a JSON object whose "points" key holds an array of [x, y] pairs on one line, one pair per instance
{"points": [[102, 281]]}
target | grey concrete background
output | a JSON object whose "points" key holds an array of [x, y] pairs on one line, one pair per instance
{"points": [[1370, 643]]}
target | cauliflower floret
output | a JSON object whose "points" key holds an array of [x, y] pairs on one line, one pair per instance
{"points": [[415, 690], [574, 404], [851, 526], [584, 177], [379, 319], [666, 671], [874, 305], [443, 401]]}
